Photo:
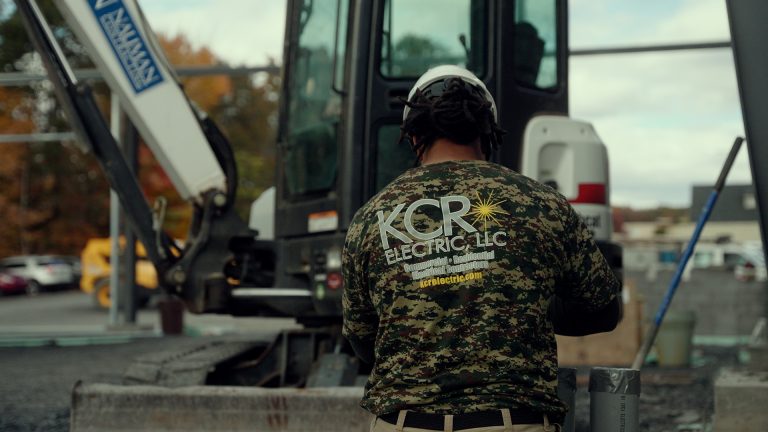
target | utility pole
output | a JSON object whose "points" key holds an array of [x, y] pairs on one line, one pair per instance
{"points": [[130, 143], [23, 205], [114, 225]]}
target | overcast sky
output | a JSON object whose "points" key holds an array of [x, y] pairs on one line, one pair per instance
{"points": [[668, 119]]}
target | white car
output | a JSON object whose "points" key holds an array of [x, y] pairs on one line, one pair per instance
{"points": [[42, 272]]}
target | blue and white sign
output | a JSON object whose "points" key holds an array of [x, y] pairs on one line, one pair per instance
{"points": [[131, 50]]}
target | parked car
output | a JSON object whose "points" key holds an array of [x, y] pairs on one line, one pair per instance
{"points": [[77, 267], [42, 272], [12, 284]]}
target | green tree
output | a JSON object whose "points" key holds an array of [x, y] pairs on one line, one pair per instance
{"points": [[414, 54]]}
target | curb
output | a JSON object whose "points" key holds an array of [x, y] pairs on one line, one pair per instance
{"points": [[107, 407]]}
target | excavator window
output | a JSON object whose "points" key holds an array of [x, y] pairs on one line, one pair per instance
{"points": [[419, 35], [314, 107], [535, 43]]}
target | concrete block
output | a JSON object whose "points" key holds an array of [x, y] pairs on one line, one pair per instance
{"points": [[106, 407], [741, 399]]}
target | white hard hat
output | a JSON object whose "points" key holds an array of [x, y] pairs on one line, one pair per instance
{"points": [[443, 72]]}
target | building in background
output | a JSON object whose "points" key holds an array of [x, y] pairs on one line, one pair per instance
{"points": [[732, 232]]}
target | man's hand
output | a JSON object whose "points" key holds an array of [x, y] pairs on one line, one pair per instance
{"points": [[571, 319]]}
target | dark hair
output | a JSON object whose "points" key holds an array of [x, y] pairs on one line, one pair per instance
{"points": [[452, 109]]}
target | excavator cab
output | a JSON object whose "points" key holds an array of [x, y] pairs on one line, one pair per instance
{"points": [[342, 101]]}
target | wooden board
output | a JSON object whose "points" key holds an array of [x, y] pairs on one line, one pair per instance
{"points": [[616, 348]]}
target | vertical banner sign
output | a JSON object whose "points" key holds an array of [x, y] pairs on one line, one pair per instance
{"points": [[125, 39]]}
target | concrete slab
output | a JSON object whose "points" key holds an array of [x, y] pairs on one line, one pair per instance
{"points": [[741, 398], [105, 407]]}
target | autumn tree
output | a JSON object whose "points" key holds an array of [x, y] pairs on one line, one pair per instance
{"points": [[248, 115], [43, 183], [13, 120], [244, 110], [53, 197]]}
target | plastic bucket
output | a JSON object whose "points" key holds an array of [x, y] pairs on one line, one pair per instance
{"points": [[674, 341]]}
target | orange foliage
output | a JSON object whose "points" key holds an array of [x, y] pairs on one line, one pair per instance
{"points": [[42, 185], [13, 120], [205, 91], [14, 114]]}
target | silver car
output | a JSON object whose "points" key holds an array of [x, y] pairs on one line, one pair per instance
{"points": [[42, 272]]}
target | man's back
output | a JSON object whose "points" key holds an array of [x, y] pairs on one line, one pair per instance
{"points": [[451, 269]]}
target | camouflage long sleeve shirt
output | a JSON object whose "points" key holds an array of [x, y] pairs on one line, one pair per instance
{"points": [[448, 273]]}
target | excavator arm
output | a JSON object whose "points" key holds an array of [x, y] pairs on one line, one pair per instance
{"points": [[221, 252]]}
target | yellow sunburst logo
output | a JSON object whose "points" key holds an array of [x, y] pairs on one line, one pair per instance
{"points": [[486, 209]]}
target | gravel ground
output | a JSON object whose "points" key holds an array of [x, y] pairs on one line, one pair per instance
{"points": [[36, 384], [672, 400]]}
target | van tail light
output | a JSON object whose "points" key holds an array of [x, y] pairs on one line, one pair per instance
{"points": [[590, 193], [334, 280]]}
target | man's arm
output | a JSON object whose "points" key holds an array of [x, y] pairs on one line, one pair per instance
{"points": [[588, 296], [573, 319], [360, 319]]}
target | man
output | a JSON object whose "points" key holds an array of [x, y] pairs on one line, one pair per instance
{"points": [[459, 272]]}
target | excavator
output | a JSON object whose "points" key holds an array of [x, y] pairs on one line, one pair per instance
{"points": [[347, 66], [346, 69]]}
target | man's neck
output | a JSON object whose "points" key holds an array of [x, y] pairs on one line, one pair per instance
{"points": [[444, 150]]}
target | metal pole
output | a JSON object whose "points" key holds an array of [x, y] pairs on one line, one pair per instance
{"points": [[16, 79], [130, 141], [747, 20], [114, 225], [23, 205], [649, 48], [37, 137]]}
